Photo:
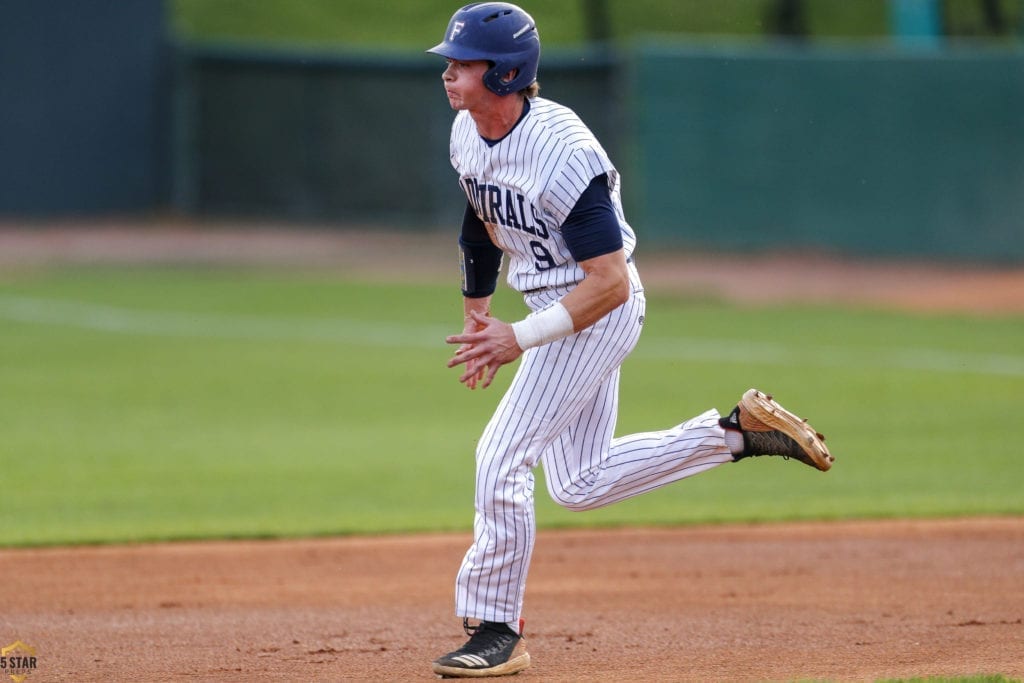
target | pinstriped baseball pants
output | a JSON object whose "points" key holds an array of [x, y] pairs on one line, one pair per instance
{"points": [[560, 411]]}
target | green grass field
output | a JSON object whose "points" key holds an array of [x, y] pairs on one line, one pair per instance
{"points": [[192, 403], [563, 23]]}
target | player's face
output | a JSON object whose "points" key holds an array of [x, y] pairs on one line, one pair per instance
{"points": [[464, 84]]}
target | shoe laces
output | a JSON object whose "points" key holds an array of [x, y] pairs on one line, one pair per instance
{"points": [[486, 635], [776, 443]]}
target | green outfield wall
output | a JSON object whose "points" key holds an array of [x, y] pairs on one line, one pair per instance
{"points": [[881, 151], [333, 137], [912, 152], [84, 101], [884, 149]]}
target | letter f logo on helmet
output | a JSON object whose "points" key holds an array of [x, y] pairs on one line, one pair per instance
{"points": [[456, 29]]}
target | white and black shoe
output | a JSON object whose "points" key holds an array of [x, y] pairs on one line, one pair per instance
{"points": [[493, 649]]}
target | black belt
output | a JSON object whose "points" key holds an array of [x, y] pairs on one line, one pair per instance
{"points": [[537, 290]]}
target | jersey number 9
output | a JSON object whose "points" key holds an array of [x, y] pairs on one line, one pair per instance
{"points": [[544, 259]]}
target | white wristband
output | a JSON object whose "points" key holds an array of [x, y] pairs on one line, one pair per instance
{"points": [[544, 327]]}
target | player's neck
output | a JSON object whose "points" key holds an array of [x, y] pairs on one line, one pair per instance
{"points": [[497, 120]]}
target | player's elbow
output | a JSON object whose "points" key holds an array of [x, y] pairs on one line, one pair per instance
{"points": [[622, 289], [610, 277], [616, 289]]}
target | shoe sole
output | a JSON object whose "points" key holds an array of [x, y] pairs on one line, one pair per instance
{"points": [[765, 409], [512, 666]]}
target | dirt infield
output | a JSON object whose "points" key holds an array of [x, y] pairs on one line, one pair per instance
{"points": [[839, 601], [844, 601]]}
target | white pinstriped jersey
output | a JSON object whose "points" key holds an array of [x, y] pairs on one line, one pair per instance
{"points": [[524, 187]]}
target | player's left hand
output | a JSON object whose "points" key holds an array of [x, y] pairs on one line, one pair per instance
{"points": [[484, 351], [478, 370]]}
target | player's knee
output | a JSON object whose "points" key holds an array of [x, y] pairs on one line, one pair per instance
{"points": [[574, 505], [570, 500], [495, 502]]}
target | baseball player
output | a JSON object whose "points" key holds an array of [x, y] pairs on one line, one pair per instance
{"points": [[542, 192]]}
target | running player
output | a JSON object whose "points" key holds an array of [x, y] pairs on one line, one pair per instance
{"points": [[542, 192]]}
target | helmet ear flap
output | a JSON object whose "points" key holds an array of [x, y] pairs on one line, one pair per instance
{"points": [[509, 77], [498, 81]]}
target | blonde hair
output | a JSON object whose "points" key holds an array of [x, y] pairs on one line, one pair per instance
{"points": [[530, 91]]}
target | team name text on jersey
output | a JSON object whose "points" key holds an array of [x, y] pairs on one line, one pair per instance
{"points": [[501, 206]]}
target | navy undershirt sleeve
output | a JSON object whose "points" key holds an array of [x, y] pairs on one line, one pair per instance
{"points": [[481, 259], [592, 228], [473, 229]]}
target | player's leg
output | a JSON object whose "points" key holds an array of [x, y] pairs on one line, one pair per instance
{"points": [[491, 580], [551, 387], [586, 468]]}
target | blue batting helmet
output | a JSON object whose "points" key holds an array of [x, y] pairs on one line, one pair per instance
{"points": [[499, 33]]}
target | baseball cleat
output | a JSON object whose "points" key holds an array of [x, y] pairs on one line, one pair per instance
{"points": [[493, 649], [770, 429]]}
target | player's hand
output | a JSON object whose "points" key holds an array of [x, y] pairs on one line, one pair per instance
{"points": [[473, 366], [484, 350]]}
